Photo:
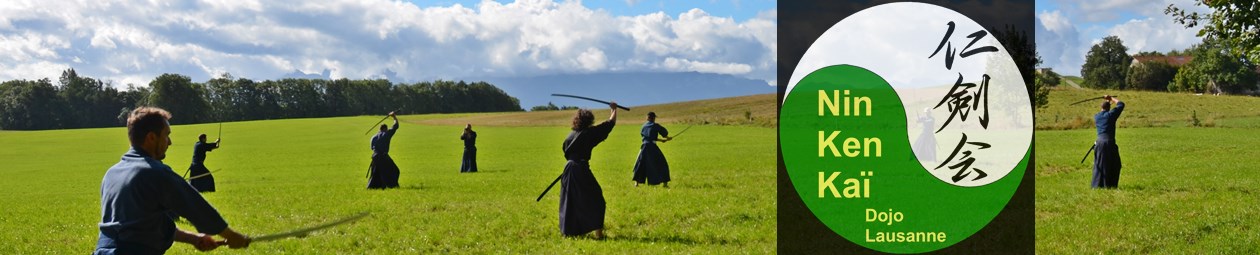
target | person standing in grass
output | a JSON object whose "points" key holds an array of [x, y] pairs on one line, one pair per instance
{"points": [[651, 166], [201, 179], [469, 164], [581, 199], [141, 197], [383, 173], [1106, 152]]}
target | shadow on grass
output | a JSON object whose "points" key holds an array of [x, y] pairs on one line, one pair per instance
{"points": [[659, 239]]}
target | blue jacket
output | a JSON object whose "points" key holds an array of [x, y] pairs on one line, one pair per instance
{"points": [[140, 200], [1106, 120]]}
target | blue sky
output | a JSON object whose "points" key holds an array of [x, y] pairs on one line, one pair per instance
{"points": [[1066, 29], [131, 42]]}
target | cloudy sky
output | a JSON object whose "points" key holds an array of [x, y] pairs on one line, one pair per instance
{"points": [[131, 42], [1066, 29]]}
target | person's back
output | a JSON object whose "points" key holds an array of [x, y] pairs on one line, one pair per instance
{"points": [[1105, 121], [652, 131], [380, 141]]}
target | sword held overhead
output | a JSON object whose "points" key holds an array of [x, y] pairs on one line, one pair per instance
{"points": [[369, 131], [590, 99], [1091, 99]]}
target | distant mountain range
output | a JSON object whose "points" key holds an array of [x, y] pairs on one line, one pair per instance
{"points": [[629, 89]]}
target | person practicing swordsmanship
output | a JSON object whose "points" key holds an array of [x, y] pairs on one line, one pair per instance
{"points": [[1106, 152], [469, 164], [383, 173], [201, 179], [581, 199], [651, 166], [925, 146], [141, 197]]}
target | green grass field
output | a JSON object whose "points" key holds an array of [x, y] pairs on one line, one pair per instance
{"points": [[278, 175], [1183, 190]]}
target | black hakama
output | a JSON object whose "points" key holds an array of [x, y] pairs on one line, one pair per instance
{"points": [[581, 198], [651, 165], [469, 163], [384, 173]]}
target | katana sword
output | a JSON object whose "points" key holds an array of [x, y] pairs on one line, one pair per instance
{"points": [[1091, 149], [590, 99], [544, 193], [680, 132], [305, 231], [369, 131], [205, 174], [1090, 99]]}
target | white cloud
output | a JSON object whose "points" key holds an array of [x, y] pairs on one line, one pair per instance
{"points": [[1059, 43], [126, 41], [1155, 34]]}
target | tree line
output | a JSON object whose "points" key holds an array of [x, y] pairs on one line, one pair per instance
{"points": [[83, 102], [1213, 68]]}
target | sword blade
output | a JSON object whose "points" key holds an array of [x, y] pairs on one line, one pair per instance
{"points": [[681, 132], [306, 231], [205, 174], [590, 99]]}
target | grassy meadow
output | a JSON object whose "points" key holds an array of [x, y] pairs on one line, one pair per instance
{"points": [[1184, 188], [278, 175]]}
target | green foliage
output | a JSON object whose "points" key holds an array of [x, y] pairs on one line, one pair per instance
{"points": [[177, 94], [1106, 64], [552, 107], [1232, 22], [1212, 69], [26, 105], [1045, 80], [1153, 75], [86, 102]]}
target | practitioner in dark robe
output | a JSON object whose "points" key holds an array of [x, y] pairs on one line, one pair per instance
{"points": [[469, 164], [1106, 152], [925, 146], [581, 199], [651, 166], [199, 175], [141, 197], [383, 173]]}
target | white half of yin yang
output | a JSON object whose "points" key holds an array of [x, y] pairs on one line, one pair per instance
{"points": [[895, 41]]}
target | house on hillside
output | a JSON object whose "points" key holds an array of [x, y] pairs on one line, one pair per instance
{"points": [[1175, 61]]}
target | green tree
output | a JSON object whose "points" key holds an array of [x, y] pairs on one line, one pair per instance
{"points": [[1153, 75], [1041, 85], [1233, 23], [1215, 70], [1106, 64], [180, 96], [30, 105]]}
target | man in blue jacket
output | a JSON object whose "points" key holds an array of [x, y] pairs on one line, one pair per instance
{"points": [[141, 197], [1106, 152]]}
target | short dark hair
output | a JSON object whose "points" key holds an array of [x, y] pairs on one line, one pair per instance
{"points": [[384, 127], [583, 119], [201, 137], [145, 120], [1106, 105]]}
